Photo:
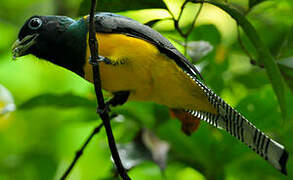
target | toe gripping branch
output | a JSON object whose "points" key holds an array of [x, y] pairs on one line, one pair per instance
{"points": [[100, 59], [119, 98]]}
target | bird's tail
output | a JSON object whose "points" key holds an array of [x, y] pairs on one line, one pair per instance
{"points": [[238, 126]]}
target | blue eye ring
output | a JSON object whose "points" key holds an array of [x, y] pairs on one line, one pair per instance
{"points": [[35, 23]]}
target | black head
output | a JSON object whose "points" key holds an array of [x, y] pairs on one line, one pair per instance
{"points": [[58, 39]]}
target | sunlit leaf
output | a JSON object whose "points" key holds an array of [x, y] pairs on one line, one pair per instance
{"points": [[118, 5], [264, 55], [60, 101], [189, 174]]}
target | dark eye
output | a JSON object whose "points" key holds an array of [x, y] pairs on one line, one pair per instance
{"points": [[35, 23]]}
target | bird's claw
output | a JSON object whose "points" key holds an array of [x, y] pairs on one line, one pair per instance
{"points": [[99, 59]]}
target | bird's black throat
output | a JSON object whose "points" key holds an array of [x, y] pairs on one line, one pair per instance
{"points": [[64, 47]]}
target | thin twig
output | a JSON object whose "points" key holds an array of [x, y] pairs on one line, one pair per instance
{"points": [[102, 108], [252, 61], [170, 12], [176, 22], [241, 43], [194, 20], [80, 152], [191, 27]]}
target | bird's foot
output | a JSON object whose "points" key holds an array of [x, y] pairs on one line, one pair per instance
{"points": [[100, 59]]}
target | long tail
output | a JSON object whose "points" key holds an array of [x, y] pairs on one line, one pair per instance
{"points": [[236, 125]]}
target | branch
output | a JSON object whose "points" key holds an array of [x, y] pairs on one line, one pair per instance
{"points": [[80, 152], [176, 21], [102, 108], [194, 20]]}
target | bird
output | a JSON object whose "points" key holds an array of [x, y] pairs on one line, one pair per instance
{"points": [[138, 64]]}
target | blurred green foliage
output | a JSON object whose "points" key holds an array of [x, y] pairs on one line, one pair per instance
{"points": [[56, 109]]}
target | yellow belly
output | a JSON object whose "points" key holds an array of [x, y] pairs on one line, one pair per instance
{"points": [[148, 74]]}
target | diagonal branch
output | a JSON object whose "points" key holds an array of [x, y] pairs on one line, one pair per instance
{"points": [[80, 152]]}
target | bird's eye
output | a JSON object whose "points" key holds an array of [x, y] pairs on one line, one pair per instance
{"points": [[35, 23]]}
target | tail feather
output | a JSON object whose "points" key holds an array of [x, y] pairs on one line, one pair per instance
{"points": [[238, 126]]}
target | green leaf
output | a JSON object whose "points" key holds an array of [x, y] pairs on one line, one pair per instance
{"points": [[286, 67], [254, 2], [286, 46], [264, 55], [60, 101], [254, 79], [120, 5], [205, 32]]}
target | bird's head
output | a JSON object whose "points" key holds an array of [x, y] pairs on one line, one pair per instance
{"points": [[58, 39]]}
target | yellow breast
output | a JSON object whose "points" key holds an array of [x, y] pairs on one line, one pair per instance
{"points": [[133, 58], [149, 75]]}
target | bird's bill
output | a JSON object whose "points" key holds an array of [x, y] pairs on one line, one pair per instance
{"points": [[20, 47]]}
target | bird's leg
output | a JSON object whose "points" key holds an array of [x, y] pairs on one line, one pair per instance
{"points": [[119, 98]]}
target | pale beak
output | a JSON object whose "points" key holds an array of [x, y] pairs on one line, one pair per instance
{"points": [[20, 47]]}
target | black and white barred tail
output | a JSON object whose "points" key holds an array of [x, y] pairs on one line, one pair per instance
{"points": [[238, 126]]}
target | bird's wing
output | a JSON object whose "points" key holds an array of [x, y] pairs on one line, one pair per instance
{"points": [[227, 118], [113, 23]]}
